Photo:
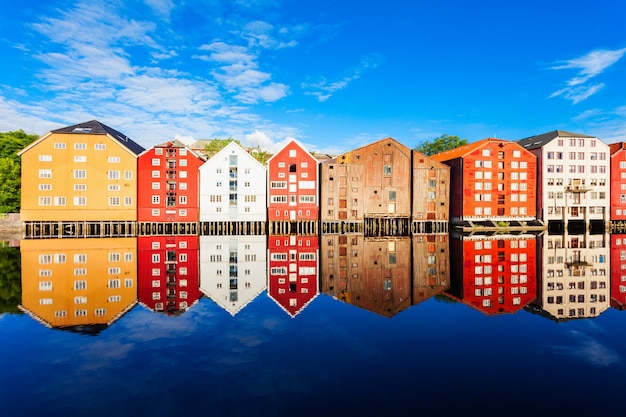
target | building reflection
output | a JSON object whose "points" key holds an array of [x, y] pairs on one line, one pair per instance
{"points": [[233, 269], [168, 273], [384, 275], [293, 272], [618, 271], [81, 285], [494, 274], [574, 280]]}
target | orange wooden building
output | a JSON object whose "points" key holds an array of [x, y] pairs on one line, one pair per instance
{"points": [[492, 180]]}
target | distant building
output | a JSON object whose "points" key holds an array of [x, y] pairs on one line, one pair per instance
{"points": [[84, 172], [168, 187], [573, 177], [492, 180], [233, 187]]}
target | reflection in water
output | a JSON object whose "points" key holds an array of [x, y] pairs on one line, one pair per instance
{"points": [[86, 284], [618, 271], [573, 279], [384, 275], [168, 273], [79, 284], [494, 274], [233, 269], [293, 276]]}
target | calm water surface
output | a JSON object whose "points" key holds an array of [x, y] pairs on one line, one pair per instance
{"points": [[438, 356]]}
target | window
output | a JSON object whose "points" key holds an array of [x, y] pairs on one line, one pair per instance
{"points": [[80, 201], [80, 146], [80, 173], [59, 145], [45, 173], [114, 159], [114, 201], [114, 175], [45, 158], [45, 201], [99, 146]]}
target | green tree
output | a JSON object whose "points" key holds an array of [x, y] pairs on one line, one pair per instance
{"points": [[10, 168], [261, 156], [216, 145], [440, 144]]}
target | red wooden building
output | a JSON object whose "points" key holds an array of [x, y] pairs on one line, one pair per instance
{"points": [[618, 181], [292, 185], [491, 180], [293, 271], [168, 273], [618, 271], [167, 186], [494, 274]]}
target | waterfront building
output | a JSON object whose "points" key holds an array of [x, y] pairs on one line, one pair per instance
{"points": [[168, 184], [494, 274], [372, 273], [573, 178], [78, 284], [233, 187], [84, 172], [618, 182], [293, 271], [369, 182], [493, 181], [430, 208], [168, 273], [292, 187], [574, 278], [233, 269]]}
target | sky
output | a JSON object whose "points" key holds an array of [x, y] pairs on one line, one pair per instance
{"points": [[334, 75]]}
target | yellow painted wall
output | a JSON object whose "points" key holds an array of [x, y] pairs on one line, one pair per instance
{"points": [[62, 162], [57, 304]]}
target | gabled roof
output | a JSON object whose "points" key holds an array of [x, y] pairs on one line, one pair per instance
{"points": [[175, 143], [287, 145], [616, 147], [93, 127], [461, 151], [538, 141], [226, 150]]}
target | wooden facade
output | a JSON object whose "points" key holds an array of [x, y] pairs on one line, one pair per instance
{"points": [[430, 192], [168, 189], [84, 172], [493, 180], [618, 183], [431, 265]]}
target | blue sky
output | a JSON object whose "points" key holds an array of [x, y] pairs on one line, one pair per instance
{"points": [[335, 75]]}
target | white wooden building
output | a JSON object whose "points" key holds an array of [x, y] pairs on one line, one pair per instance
{"points": [[233, 187]]}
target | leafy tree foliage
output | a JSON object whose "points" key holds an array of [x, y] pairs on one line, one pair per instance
{"points": [[10, 168], [440, 144], [10, 280], [216, 145]]}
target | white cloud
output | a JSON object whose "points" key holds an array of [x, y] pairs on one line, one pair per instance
{"points": [[162, 8], [323, 90], [590, 65]]}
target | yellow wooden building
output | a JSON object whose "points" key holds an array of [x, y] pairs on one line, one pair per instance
{"points": [[84, 172]]}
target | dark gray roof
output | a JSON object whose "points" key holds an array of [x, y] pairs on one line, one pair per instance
{"points": [[539, 141], [94, 127]]}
